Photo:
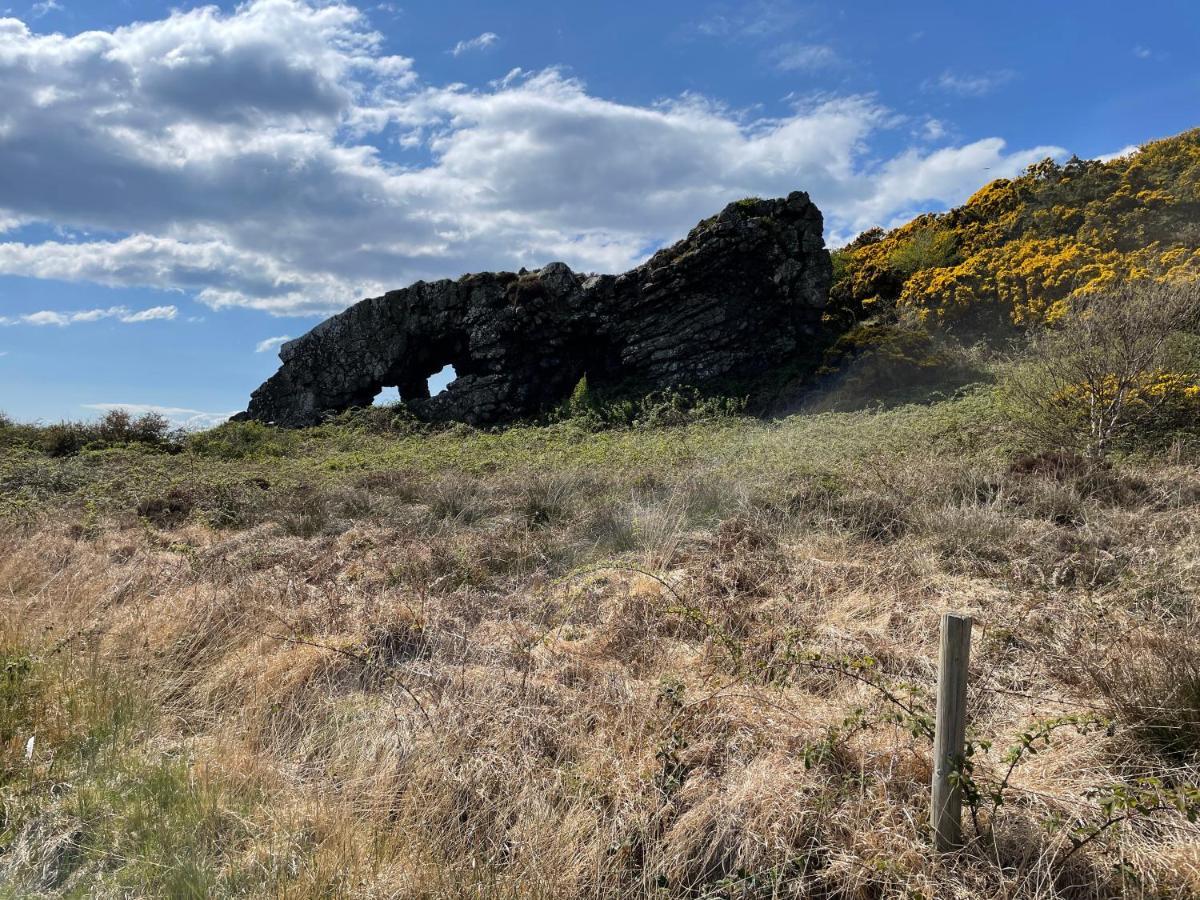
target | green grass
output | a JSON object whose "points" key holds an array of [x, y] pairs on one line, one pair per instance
{"points": [[91, 808], [229, 471]]}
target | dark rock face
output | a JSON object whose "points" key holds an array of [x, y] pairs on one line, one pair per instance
{"points": [[739, 295]]}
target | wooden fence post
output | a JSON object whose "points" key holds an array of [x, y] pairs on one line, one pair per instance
{"points": [[950, 730]]}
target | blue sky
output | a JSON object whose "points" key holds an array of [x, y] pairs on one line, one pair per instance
{"points": [[184, 184]]}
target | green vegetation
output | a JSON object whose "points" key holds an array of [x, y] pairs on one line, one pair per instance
{"points": [[291, 663], [91, 805], [1026, 249], [925, 248], [921, 304], [238, 473], [650, 648], [116, 428], [83, 805], [1121, 370]]}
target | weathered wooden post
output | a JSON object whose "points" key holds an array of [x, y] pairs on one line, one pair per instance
{"points": [[950, 730]]}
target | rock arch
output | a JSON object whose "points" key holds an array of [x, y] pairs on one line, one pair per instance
{"points": [[739, 295]]}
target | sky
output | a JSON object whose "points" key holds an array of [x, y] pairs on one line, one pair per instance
{"points": [[183, 186]]}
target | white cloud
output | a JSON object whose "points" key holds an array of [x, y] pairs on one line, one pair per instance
{"points": [[912, 179], [482, 42], [970, 85], [190, 419], [120, 313], [261, 158], [151, 314], [220, 274], [804, 57], [747, 20], [1142, 52], [271, 343], [1119, 154], [40, 9], [934, 129]]}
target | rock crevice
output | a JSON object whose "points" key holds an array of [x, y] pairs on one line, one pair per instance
{"points": [[741, 294]]}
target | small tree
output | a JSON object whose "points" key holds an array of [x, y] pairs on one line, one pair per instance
{"points": [[115, 426], [150, 428], [1112, 366], [581, 401]]}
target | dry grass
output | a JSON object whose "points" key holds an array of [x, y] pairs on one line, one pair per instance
{"points": [[564, 680]]}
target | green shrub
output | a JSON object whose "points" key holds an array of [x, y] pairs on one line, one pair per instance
{"points": [[117, 428], [243, 440], [65, 438], [1122, 372], [13, 434], [392, 418], [928, 248], [581, 401], [681, 405]]}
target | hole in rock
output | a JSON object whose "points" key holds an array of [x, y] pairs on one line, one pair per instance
{"points": [[386, 397], [439, 381]]}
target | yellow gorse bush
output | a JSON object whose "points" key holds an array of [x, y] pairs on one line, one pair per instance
{"points": [[1169, 393], [1028, 247]]}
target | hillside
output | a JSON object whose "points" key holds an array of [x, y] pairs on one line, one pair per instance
{"points": [[1022, 249]]}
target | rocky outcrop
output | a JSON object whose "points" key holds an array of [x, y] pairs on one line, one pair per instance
{"points": [[741, 294]]}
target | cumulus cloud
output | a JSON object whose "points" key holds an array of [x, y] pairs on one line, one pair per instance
{"points": [[482, 42], [218, 273], [276, 157], [271, 343], [948, 172], [120, 313], [190, 419]]}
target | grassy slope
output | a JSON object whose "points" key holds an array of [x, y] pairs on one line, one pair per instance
{"points": [[553, 663]]}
